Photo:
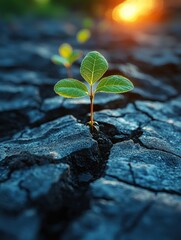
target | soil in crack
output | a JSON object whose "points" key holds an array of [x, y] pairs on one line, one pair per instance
{"points": [[76, 194]]}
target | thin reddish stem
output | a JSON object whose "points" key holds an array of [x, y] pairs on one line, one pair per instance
{"points": [[69, 72], [91, 107]]}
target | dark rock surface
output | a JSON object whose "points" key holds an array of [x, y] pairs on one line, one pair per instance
{"points": [[59, 180], [148, 168], [56, 139], [122, 211]]}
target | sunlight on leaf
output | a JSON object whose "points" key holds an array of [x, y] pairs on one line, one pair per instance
{"points": [[93, 67], [114, 84], [71, 88]]}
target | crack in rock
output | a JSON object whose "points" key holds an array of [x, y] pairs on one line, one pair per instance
{"points": [[58, 140], [152, 169]]}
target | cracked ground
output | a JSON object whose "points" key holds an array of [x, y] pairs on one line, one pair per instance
{"points": [[60, 181]]}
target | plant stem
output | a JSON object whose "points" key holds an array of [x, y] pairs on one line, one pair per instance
{"points": [[91, 106], [69, 72]]}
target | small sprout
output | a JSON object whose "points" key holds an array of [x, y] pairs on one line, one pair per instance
{"points": [[83, 35], [67, 57], [93, 67]]}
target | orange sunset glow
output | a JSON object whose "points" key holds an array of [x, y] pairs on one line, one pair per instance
{"points": [[132, 10]]}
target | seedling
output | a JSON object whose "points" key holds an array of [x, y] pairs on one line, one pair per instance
{"points": [[67, 56], [93, 67]]}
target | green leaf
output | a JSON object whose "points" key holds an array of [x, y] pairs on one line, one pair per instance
{"points": [[60, 60], [65, 50], [93, 67], [71, 88], [114, 84], [74, 56]]}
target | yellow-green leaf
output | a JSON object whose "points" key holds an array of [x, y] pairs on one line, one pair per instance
{"points": [[74, 56], [65, 50], [71, 88], [60, 60], [114, 84], [93, 67], [83, 35]]}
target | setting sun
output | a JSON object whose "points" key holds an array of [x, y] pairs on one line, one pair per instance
{"points": [[131, 10]]}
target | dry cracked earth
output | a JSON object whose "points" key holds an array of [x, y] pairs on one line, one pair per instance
{"points": [[60, 181]]}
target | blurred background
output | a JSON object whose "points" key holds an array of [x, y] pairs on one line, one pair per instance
{"points": [[60, 8]]}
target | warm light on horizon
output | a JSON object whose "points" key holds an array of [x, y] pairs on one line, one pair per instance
{"points": [[132, 10], [128, 12]]}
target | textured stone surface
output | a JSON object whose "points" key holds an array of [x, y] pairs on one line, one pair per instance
{"points": [[163, 136], [35, 182], [25, 77], [23, 226], [155, 169], [162, 219], [124, 120], [17, 97], [169, 112], [128, 212], [56, 139], [59, 181]]}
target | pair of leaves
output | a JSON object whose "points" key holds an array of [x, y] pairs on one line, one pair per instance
{"points": [[93, 67], [67, 55]]}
